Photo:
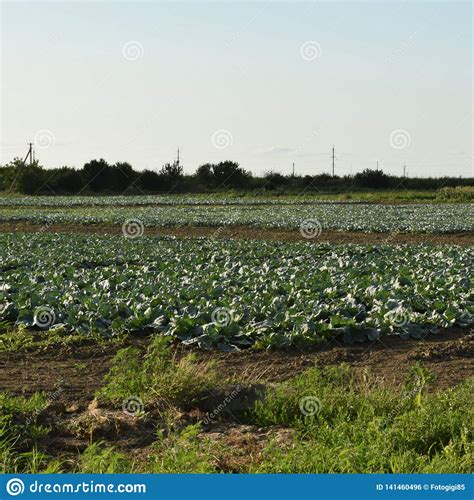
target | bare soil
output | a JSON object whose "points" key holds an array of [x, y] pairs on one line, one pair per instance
{"points": [[79, 370], [246, 232]]}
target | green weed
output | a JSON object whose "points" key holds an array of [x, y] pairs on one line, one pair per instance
{"points": [[157, 376]]}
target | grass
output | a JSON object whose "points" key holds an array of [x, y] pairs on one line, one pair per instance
{"points": [[183, 452], [341, 422], [20, 433], [16, 338], [363, 429], [157, 376], [98, 458]]}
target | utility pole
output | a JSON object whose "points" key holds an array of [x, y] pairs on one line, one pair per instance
{"points": [[377, 164], [29, 154], [177, 161], [293, 173], [404, 170], [333, 159]]}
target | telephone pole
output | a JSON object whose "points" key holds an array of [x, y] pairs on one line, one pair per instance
{"points": [[333, 160], [293, 172], [177, 161], [404, 170], [30, 154]]}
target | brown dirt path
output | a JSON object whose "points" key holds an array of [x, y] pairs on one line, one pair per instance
{"points": [[79, 370]]}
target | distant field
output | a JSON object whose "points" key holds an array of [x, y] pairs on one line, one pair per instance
{"points": [[424, 218], [444, 195]]}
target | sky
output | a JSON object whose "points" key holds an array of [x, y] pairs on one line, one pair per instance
{"points": [[266, 84]]}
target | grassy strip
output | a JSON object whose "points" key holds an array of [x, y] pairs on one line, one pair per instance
{"points": [[340, 422], [358, 428]]}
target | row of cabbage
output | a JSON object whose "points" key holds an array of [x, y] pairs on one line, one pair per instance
{"points": [[446, 218], [74, 201], [232, 294]]}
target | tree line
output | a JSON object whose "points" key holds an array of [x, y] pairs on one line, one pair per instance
{"points": [[100, 177]]}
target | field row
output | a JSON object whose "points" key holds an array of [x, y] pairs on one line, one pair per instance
{"points": [[74, 201], [232, 294], [447, 218], [262, 197]]}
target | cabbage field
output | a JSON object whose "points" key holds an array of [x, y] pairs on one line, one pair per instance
{"points": [[232, 294], [123, 201], [283, 343], [426, 218]]}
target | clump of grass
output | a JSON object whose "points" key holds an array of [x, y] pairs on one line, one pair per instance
{"points": [[328, 393], [157, 376], [181, 452], [357, 428], [18, 417], [417, 379], [458, 193], [98, 458], [15, 338], [20, 433], [176, 451]]}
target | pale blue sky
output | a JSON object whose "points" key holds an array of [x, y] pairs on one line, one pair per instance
{"points": [[399, 70]]}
